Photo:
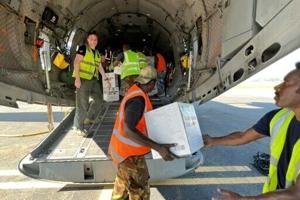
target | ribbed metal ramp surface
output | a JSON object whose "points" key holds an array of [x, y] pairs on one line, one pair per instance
{"points": [[65, 156], [73, 146]]}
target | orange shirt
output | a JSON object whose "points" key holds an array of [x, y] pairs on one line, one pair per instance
{"points": [[161, 63]]}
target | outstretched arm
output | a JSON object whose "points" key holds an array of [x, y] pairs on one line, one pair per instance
{"points": [[235, 138], [292, 193], [105, 78], [162, 149], [102, 72]]}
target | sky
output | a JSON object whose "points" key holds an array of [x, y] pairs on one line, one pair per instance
{"points": [[279, 69]]}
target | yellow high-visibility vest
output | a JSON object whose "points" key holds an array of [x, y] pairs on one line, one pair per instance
{"points": [[89, 65], [130, 66], [278, 131], [142, 59]]}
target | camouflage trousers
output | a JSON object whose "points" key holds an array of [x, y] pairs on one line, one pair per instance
{"points": [[132, 180]]}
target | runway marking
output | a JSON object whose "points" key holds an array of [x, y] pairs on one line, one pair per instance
{"points": [[156, 194], [29, 185], [223, 169], [168, 182], [244, 105], [212, 181], [10, 173], [105, 194]]}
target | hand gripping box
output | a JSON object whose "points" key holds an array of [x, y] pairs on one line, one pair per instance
{"points": [[175, 123], [112, 93]]}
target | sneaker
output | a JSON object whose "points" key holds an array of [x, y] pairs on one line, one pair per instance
{"points": [[81, 132], [88, 121]]}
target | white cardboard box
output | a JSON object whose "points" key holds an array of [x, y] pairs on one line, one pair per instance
{"points": [[117, 70], [112, 93], [113, 81], [175, 123]]}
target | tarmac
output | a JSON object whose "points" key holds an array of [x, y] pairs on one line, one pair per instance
{"points": [[224, 167]]}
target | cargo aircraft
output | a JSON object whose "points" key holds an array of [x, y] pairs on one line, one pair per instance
{"points": [[227, 42]]}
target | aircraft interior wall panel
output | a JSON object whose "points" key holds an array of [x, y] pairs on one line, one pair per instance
{"points": [[167, 7], [15, 56], [79, 7], [18, 79], [7, 59], [238, 25], [200, 14], [99, 12], [125, 6], [283, 30], [32, 9], [158, 14], [267, 9], [212, 20]]}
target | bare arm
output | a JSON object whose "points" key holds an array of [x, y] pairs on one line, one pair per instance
{"points": [[163, 149], [116, 63], [235, 138], [102, 72], [292, 193], [140, 138], [77, 60]]}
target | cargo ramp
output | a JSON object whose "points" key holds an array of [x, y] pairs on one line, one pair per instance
{"points": [[65, 156]]}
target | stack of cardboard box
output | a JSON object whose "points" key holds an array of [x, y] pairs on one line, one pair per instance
{"points": [[112, 93]]}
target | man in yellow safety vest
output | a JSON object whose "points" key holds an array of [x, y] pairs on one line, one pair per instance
{"points": [[283, 127], [87, 65], [128, 60]]}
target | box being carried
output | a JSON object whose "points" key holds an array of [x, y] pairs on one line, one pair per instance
{"points": [[112, 93], [175, 123]]}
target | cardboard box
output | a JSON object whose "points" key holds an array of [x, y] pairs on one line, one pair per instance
{"points": [[117, 70], [112, 93], [113, 81], [175, 123]]}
